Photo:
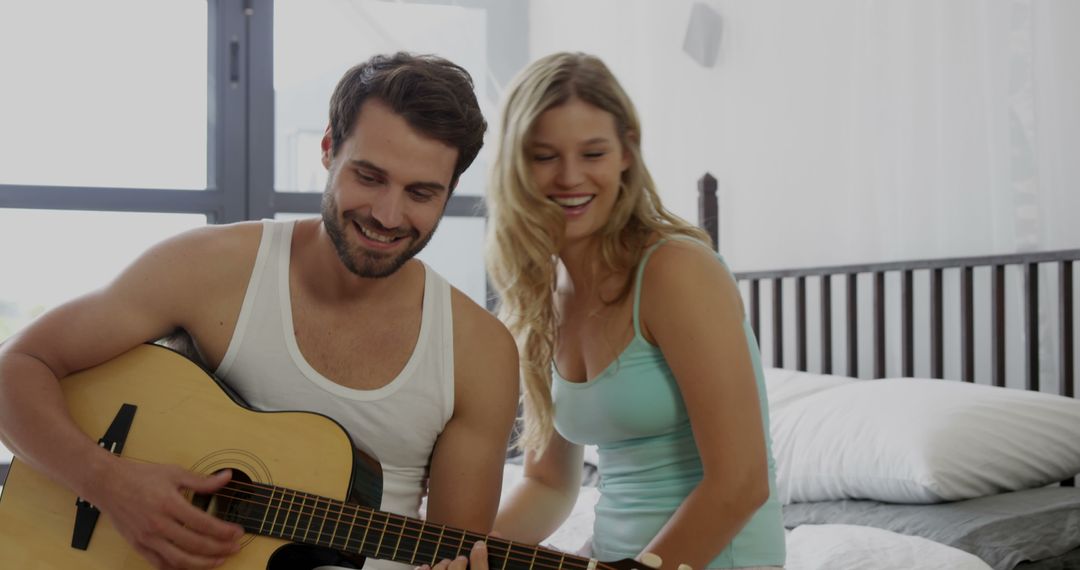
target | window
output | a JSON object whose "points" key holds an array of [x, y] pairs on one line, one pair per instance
{"points": [[92, 100], [125, 122], [63, 254]]}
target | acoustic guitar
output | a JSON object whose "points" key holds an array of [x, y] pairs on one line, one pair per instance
{"points": [[304, 494]]}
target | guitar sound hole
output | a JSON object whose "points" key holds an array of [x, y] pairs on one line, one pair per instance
{"points": [[228, 503]]}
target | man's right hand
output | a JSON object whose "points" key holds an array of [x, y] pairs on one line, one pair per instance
{"points": [[149, 507]]}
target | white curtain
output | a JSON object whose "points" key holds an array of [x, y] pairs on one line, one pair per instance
{"points": [[881, 130], [855, 131]]}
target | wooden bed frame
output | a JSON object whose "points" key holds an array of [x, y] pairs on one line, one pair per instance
{"points": [[994, 268]]}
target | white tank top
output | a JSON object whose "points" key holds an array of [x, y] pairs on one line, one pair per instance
{"points": [[396, 424]]}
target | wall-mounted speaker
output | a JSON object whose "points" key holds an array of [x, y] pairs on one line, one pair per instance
{"points": [[702, 41]]}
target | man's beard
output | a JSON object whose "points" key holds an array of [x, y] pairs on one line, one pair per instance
{"points": [[358, 260]]}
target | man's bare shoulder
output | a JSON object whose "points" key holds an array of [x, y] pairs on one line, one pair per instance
{"points": [[221, 241], [484, 349], [477, 326], [485, 365], [211, 253]]}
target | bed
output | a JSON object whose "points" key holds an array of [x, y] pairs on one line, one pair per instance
{"points": [[980, 454], [923, 413]]}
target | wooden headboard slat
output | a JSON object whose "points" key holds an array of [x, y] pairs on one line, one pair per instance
{"points": [[755, 308], [937, 325], [1065, 288], [907, 323], [826, 324], [997, 315], [879, 324], [967, 325], [778, 322], [1031, 327], [800, 323], [852, 324]]}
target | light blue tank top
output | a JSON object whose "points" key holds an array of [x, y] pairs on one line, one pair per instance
{"points": [[634, 413]]}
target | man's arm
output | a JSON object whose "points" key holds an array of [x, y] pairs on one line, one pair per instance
{"points": [[156, 294], [467, 462]]}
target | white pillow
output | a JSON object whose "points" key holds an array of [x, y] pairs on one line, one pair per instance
{"points": [[910, 440], [786, 386]]}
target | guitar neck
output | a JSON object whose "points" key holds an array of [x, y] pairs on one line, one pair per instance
{"points": [[310, 519]]}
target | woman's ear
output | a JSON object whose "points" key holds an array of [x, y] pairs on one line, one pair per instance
{"points": [[627, 156]]}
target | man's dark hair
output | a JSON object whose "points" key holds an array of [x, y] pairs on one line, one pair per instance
{"points": [[433, 95]]}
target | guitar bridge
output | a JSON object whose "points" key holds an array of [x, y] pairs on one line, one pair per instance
{"points": [[86, 514]]}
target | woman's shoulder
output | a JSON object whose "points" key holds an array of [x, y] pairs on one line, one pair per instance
{"points": [[684, 269], [665, 255]]}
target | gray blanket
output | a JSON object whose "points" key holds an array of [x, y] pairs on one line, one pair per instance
{"points": [[1068, 561], [1004, 530]]}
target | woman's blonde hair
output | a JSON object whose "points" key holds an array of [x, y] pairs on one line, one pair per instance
{"points": [[525, 228]]}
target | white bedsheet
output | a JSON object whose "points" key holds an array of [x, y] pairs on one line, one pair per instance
{"points": [[849, 547], [809, 547]]}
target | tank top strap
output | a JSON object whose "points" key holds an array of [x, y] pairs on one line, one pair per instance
{"points": [[641, 272], [637, 284]]}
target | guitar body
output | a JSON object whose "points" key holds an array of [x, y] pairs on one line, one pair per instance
{"points": [[186, 418]]}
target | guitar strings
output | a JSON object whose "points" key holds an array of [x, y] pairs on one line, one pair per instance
{"points": [[419, 555], [389, 528], [494, 546], [542, 558]]}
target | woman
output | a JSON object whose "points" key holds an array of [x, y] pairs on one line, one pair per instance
{"points": [[632, 337]]}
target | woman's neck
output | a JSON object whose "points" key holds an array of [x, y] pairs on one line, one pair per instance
{"points": [[583, 275], [580, 267]]}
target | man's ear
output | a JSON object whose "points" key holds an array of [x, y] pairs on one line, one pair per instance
{"points": [[327, 145]]}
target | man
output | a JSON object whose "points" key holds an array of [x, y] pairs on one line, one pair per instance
{"points": [[329, 315]]}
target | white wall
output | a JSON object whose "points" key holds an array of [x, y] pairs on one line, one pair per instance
{"points": [[845, 131]]}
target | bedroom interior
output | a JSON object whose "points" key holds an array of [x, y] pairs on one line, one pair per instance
{"points": [[895, 185]]}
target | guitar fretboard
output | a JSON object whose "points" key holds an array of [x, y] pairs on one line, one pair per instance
{"points": [[310, 519]]}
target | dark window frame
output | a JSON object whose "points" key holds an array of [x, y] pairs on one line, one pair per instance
{"points": [[240, 146]]}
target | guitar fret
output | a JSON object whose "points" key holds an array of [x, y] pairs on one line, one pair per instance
{"points": [[307, 530], [318, 513], [533, 559], [383, 535], [438, 545], [562, 559], [337, 525], [460, 544], [352, 526], [371, 519], [286, 500], [266, 512], [398, 543], [316, 502], [295, 526], [277, 511], [419, 537], [509, 547], [322, 524]]}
